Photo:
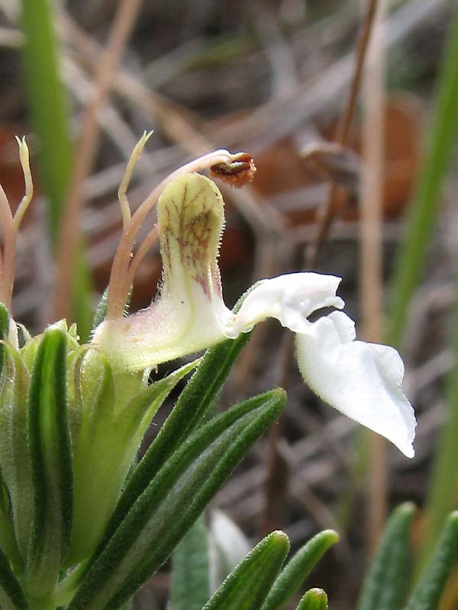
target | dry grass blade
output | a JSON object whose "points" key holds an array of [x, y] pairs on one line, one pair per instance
{"points": [[328, 211]]}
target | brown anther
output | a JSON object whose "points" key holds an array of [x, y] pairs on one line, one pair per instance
{"points": [[237, 173]]}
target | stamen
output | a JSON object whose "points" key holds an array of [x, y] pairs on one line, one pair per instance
{"points": [[9, 250], [24, 158], [134, 157], [138, 257], [237, 173]]}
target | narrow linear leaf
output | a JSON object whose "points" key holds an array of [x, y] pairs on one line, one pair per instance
{"points": [[7, 537], [48, 104], [385, 585], [115, 433], [247, 586], [294, 573], [190, 579], [191, 408], [4, 330], [174, 499], [442, 135], [11, 593], [101, 311], [15, 463], [51, 459], [421, 222], [50, 117], [428, 592], [314, 599]]}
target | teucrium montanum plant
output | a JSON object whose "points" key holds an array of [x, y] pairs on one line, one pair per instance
{"points": [[82, 526]]}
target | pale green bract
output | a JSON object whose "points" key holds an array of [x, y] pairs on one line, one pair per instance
{"points": [[361, 380]]}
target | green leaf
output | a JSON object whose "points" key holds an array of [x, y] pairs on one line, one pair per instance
{"points": [[101, 311], [15, 462], [193, 405], [11, 593], [48, 105], [422, 218], [7, 537], [293, 575], [171, 503], [190, 581], [50, 118], [115, 432], [51, 459], [441, 498], [4, 331], [314, 599], [386, 582], [246, 587], [428, 592]]}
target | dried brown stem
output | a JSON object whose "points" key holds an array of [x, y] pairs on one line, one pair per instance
{"points": [[329, 210], [371, 253], [276, 487]]}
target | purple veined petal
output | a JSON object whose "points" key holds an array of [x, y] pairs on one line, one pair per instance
{"points": [[189, 314]]}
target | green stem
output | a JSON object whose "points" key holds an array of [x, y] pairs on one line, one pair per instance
{"points": [[425, 206], [47, 104], [444, 128], [50, 117]]}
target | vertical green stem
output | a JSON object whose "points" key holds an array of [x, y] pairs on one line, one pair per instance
{"points": [[50, 118], [442, 493], [444, 128], [421, 223], [48, 105]]}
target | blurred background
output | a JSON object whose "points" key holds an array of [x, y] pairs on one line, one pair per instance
{"points": [[337, 103]]}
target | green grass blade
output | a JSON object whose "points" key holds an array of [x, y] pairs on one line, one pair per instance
{"points": [[441, 498], [385, 585], [48, 105], [428, 592], [247, 586], [421, 223], [441, 495]]}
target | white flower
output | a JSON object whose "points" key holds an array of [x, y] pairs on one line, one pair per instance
{"points": [[361, 380]]}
